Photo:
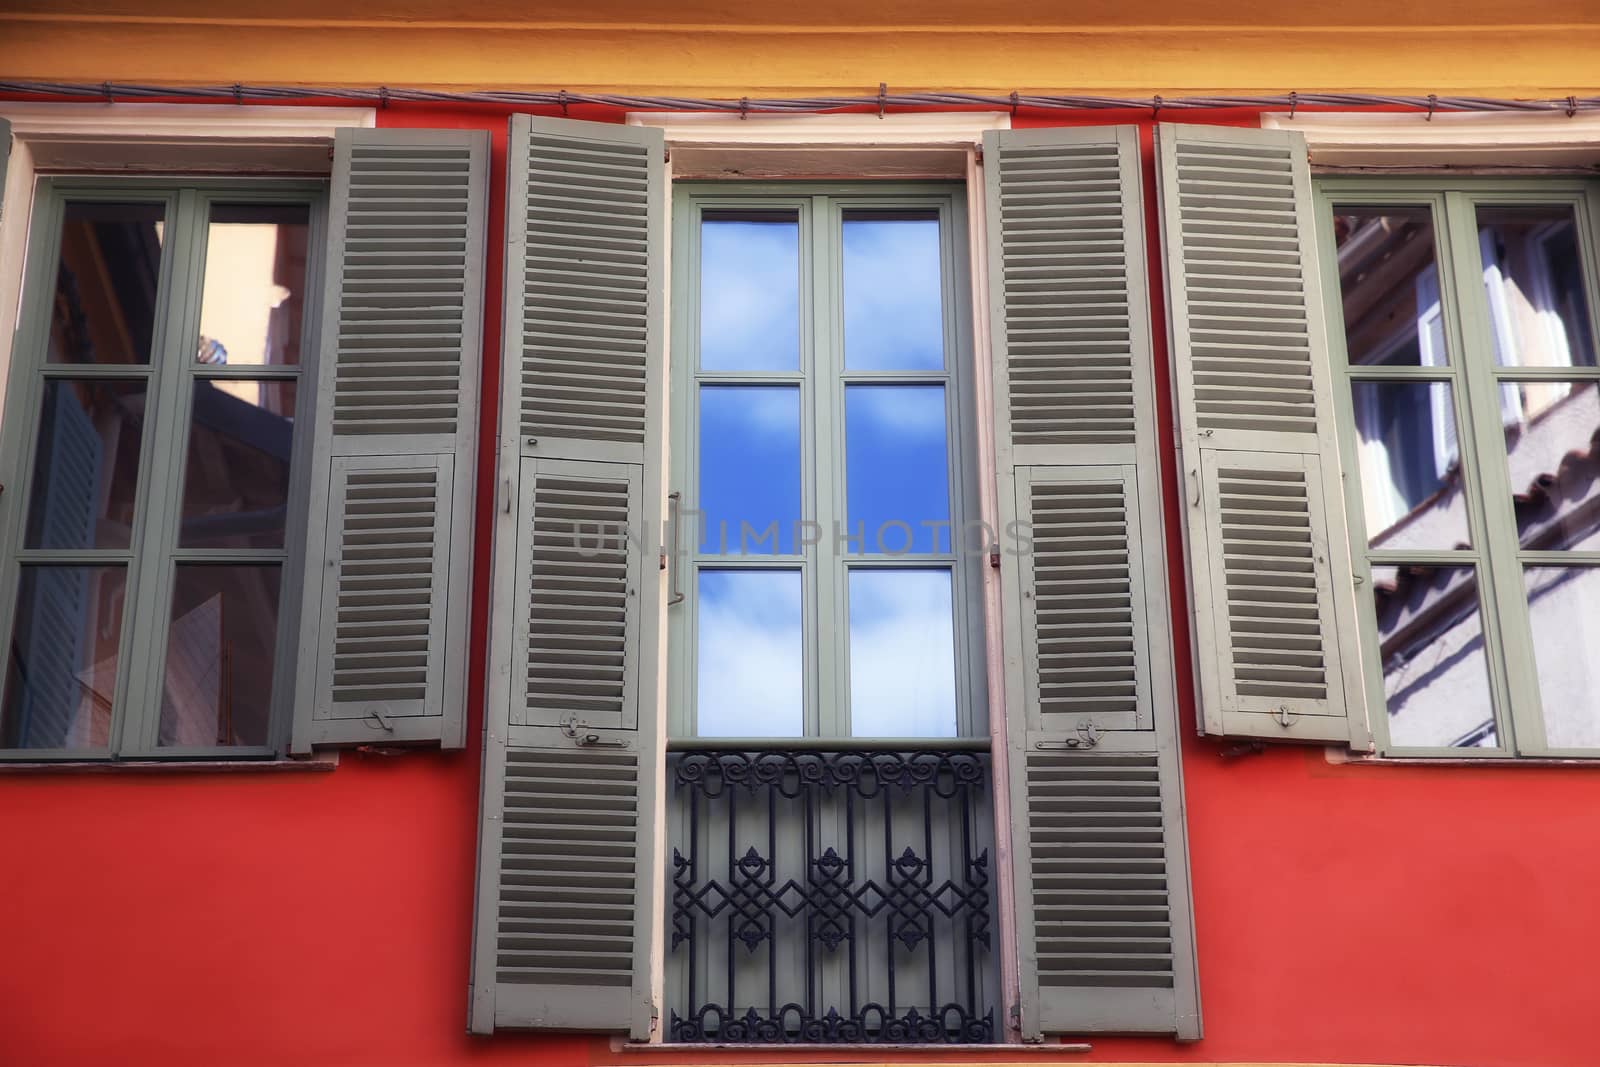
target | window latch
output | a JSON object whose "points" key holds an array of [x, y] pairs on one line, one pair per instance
{"points": [[578, 730]]}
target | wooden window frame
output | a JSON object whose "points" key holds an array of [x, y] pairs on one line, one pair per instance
{"points": [[1476, 388], [152, 555], [822, 378]]}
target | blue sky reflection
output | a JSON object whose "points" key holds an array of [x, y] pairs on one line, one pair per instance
{"points": [[749, 295], [749, 466], [893, 317], [895, 467]]}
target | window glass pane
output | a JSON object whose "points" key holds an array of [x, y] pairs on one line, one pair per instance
{"points": [[1389, 284], [236, 478], [896, 470], [751, 655], [106, 279], [1554, 462], [750, 292], [221, 646], [1430, 641], [902, 654], [86, 464], [1533, 279], [749, 469], [254, 296], [61, 670], [893, 317], [1411, 487], [1564, 607]]}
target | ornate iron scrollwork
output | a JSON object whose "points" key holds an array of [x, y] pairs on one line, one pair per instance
{"points": [[830, 897]]}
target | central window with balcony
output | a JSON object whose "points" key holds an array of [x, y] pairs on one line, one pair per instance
{"points": [[830, 869]]}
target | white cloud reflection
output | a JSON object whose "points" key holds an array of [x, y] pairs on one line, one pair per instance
{"points": [[749, 295], [751, 654], [902, 654]]}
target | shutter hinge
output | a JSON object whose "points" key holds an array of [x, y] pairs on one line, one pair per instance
{"points": [[666, 153], [994, 558], [977, 154]]}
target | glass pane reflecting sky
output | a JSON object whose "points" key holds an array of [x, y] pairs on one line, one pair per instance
{"points": [[895, 467], [902, 654], [749, 468], [751, 654], [893, 318], [749, 295]]}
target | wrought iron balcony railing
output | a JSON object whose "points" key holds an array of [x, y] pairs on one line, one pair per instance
{"points": [[830, 897]]}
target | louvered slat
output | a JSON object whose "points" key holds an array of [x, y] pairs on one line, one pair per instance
{"points": [[568, 880], [403, 292], [1084, 578], [381, 652], [1068, 341], [586, 279], [1269, 564], [1244, 289], [1102, 909], [579, 596]]}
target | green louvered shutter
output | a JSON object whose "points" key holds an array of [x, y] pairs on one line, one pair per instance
{"points": [[383, 642], [1100, 864], [569, 876], [1269, 568]]}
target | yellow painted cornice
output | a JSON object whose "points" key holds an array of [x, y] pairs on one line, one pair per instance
{"points": [[720, 49]]}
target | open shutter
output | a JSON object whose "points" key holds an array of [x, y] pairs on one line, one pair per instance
{"points": [[1101, 869], [569, 878], [383, 642], [1269, 566]]}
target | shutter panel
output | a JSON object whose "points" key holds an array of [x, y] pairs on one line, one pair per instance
{"points": [[384, 635], [569, 870], [1269, 568], [1100, 866]]}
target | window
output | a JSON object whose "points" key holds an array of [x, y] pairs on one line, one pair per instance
{"points": [[1470, 402], [160, 376], [821, 425], [822, 738], [820, 417]]}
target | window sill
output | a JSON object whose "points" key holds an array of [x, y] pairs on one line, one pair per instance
{"points": [[1337, 755], [804, 1053], [321, 762]]}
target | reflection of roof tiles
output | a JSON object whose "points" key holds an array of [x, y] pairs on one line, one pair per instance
{"points": [[1538, 518]]}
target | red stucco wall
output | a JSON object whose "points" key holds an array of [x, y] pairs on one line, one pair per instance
{"points": [[1357, 914]]}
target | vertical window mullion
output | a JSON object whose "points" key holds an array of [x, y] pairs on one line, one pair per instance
{"points": [[153, 559], [1507, 635], [829, 699]]}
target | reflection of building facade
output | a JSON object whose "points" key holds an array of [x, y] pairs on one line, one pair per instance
{"points": [[459, 525]]}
